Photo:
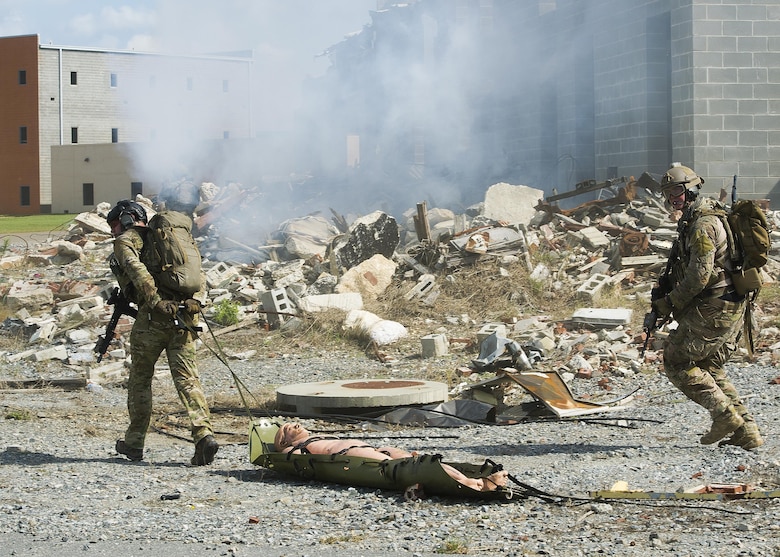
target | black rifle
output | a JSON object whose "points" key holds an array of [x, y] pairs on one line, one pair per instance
{"points": [[665, 285], [121, 307]]}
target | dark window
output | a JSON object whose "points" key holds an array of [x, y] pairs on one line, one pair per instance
{"points": [[74, 135], [87, 194], [23, 134], [74, 78], [24, 196], [189, 84], [225, 86], [22, 77], [114, 135], [136, 188], [113, 80]]}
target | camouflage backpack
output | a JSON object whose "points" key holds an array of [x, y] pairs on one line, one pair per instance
{"points": [[751, 230], [170, 253]]}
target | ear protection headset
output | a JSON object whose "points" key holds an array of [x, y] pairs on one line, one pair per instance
{"points": [[126, 219], [127, 213]]}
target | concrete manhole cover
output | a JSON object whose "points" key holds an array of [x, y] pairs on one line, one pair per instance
{"points": [[350, 396]]}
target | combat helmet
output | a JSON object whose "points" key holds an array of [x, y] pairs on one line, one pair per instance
{"points": [[681, 175], [127, 212]]}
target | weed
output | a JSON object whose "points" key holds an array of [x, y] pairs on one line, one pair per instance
{"points": [[340, 538], [18, 414], [226, 313], [453, 547]]}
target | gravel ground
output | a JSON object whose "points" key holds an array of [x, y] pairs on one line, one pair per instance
{"points": [[65, 491]]}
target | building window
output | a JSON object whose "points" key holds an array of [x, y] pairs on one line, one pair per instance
{"points": [[23, 134], [113, 80], [136, 188], [74, 78], [22, 77], [226, 135], [152, 81], [24, 196], [114, 135], [74, 135], [87, 194], [225, 86], [189, 84]]}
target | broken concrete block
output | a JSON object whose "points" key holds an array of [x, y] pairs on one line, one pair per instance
{"points": [[499, 329], [30, 297], [220, 275], [370, 277], [308, 236], [44, 332], [375, 233], [594, 238], [425, 284], [95, 222], [434, 345], [345, 301], [604, 317], [58, 352], [277, 306], [591, 288], [654, 217], [510, 203], [287, 273], [11, 261]]}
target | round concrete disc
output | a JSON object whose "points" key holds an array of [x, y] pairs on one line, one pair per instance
{"points": [[357, 395]]}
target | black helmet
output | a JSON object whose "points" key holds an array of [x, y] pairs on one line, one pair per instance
{"points": [[127, 213]]}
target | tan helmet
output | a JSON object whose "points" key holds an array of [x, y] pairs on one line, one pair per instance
{"points": [[679, 174]]}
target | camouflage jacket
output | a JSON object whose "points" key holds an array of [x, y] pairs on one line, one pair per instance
{"points": [[703, 264]]}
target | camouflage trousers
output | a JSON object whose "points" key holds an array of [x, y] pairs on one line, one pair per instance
{"points": [[707, 335], [151, 334]]}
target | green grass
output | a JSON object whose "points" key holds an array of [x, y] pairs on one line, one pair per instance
{"points": [[33, 223]]}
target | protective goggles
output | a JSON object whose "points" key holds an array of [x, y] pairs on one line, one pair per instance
{"points": [[675, 191]]}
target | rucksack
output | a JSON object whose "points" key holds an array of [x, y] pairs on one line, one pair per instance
{"points": [[751, 231], [170, 253], [748, 239]]}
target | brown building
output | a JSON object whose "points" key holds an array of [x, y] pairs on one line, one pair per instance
{"points": [[19, 126]]}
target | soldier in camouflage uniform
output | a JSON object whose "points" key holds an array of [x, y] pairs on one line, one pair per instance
{"points": [[155, 330], [699, 294]]}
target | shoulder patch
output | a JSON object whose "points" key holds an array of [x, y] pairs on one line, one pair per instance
{"points": [[702, 243]]}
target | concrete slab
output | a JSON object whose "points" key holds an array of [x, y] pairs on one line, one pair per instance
{"points": [[357, 396]]}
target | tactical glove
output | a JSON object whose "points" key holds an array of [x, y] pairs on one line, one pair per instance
{"points": [[168, 307], [663, 307], [192, 306]]}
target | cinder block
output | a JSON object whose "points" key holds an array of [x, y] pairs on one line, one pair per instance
{"points": [[276, 303], [434, 345], [424, 286], [490, 328], [220, 275], [591, 288]]}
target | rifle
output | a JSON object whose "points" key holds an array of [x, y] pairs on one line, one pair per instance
{"points": [[665, 285], [121, 307]]}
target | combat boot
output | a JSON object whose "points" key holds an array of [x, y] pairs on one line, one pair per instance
{"points": [[723, 424], [747, 437], [205, 451], [130, 452]]}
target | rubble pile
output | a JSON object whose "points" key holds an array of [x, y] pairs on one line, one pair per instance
{"points": [[54, 295]]}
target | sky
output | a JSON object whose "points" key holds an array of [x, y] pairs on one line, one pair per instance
{"points": [[285, 35]]}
